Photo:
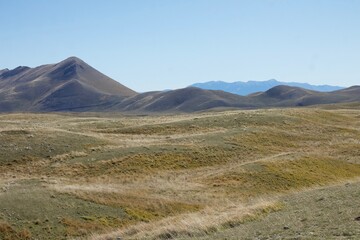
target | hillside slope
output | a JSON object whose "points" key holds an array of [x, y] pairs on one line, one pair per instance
{"points": [[249, 87], [73, 85], [285, 96], [68, 85], [184, 100], [193, 99]]}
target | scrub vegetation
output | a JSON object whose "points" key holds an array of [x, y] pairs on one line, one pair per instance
{"points": [[212, 175]]}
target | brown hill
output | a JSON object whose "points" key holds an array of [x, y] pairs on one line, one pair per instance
{"points": [[69, 85], [73, 85], [193, 99], [283, 96], [188, 99]]}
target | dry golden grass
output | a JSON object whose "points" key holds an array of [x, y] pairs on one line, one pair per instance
{"points": [[7, 232], [259, 178], [169, 176], [208, 220], [67, 156]]}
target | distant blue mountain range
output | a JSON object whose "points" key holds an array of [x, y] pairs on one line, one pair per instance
{"points": [[245, 88]]}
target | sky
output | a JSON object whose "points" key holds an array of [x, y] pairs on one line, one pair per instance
{"points": [[167, 44]]}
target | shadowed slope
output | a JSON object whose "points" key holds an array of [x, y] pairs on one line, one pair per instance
{"points": [[73, 85], [283, 96], [250, 87], [195, 99], [75, 68], [184, 100], [68, 85]]}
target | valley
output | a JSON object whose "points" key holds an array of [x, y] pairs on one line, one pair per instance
{"points": [[160, 120], [265, 173]]}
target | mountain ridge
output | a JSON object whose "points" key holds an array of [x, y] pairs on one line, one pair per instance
{"points": [[250, 87], [74, 86], [40, 88]]}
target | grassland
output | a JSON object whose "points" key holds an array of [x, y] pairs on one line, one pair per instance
{"points": [[213, 175]]}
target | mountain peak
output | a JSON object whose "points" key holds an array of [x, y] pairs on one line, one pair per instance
{"points": [[282, 88], [69, 68], [9, 73], [286, 92], [70, 85], [249, 87], [73, 59], [3, 70], [257, 82]]}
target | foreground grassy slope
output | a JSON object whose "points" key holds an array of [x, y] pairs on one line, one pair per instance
{"points": [[170, 176], [322, 213]]}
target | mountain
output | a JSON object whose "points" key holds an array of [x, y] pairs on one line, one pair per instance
{"points": [[193, 99], [286, 96], [66, 86], [73, 85], [246, 88], [182, 100]]}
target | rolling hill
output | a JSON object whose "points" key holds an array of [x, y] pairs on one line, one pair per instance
{"points": [[193, 99], [246, 88], [73, 85], [285, 96], [182, 100]]}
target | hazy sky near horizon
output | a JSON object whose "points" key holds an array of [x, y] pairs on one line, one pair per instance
{"points": [[167, 44]]}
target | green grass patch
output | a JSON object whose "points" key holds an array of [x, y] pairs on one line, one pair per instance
{"points": [[146, 163], [44, 214], [255, 179], [17, 146], [138, 207], [172, 161]]}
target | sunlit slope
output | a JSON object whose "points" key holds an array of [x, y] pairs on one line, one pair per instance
{"points": [[169, 176]]}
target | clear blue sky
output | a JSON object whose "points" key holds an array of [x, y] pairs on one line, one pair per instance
{"points": [[166, 44]]}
